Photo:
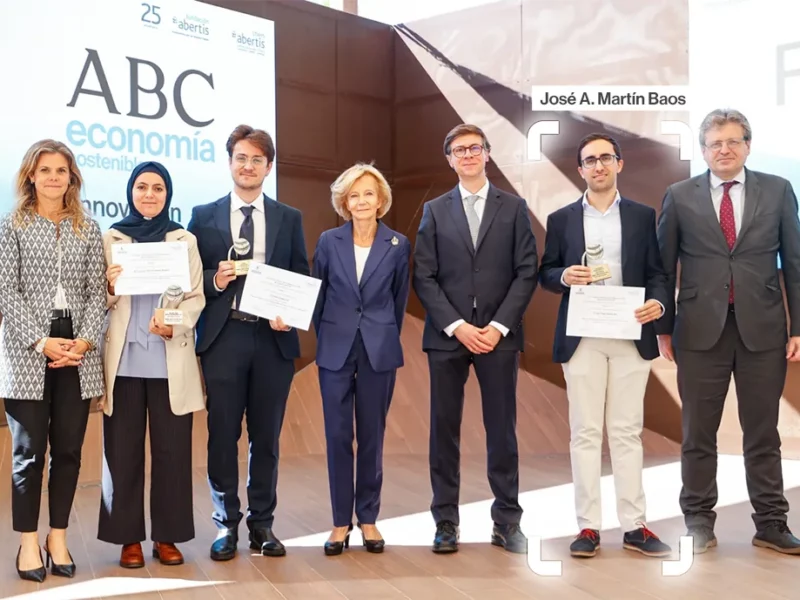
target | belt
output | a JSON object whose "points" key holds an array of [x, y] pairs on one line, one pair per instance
{"points": [[238, 315], [60, 313], [731, 308]]}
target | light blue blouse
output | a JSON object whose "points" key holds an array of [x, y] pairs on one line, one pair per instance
{"points": [[144, 354]]}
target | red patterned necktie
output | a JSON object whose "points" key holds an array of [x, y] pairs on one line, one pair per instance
{"points": [[728, 223]]}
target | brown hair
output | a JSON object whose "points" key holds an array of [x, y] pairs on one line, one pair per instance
{"points": [[73, 209], [341, 187], [593, 137], [465, 129], [258, 137]]}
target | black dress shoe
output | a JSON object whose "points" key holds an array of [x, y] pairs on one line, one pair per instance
{"points": [[67, 570], [704, 538], [262, 538], [38, 574], [224, 547], [510, 537], [777, 536], [446, 539], [374, 546], [336, 548]]}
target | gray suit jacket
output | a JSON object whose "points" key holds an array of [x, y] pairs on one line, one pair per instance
{"points": [[689, 231]]}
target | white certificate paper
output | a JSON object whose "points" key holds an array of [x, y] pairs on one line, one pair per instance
{"points": [[604, 311], [150, 268], [270, 292]]}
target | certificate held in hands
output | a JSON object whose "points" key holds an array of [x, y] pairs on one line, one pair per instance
{"points": [[151, 267], [604, 312], [270, 293]]}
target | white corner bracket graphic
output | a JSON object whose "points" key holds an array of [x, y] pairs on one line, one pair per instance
{"points": [[676, 568], [535, 133], [684, 133], [545, 568]]}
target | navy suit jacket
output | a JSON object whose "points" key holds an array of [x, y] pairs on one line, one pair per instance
{"points": [[499, 276], [285, 249], [641, 266], [376, 306]]}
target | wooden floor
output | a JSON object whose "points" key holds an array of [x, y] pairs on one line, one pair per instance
{"points": [[408, 569]]}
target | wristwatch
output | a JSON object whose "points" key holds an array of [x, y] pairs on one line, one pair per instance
{"points": [[40, 345]]}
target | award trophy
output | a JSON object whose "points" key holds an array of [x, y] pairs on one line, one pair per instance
{"points": [[591, 258], [241, 247], [166, 312]]}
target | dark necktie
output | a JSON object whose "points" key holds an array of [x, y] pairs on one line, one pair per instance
{"points": [[728, 223], [246, 232]]}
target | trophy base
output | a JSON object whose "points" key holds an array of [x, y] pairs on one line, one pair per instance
{"points": [[169, 316], [600, 273], [241, 267]]}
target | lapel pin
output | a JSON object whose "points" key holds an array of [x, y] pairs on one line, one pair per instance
{"points": [[395, 241]]}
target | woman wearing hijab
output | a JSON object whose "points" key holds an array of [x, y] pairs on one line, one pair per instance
{"points": [[151, 375]]}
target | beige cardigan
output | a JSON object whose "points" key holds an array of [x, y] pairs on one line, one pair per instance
{"points": [[183, 370]]}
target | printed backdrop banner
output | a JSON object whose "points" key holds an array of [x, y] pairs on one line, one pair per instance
{"points": [[123, 82]]}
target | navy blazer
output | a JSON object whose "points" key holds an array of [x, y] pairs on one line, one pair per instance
{"points": [[499, 277], [376, 306], [285, 249], [641, 266]]}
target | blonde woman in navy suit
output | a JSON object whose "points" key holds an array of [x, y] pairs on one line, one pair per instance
{"points": [[364, 270]]}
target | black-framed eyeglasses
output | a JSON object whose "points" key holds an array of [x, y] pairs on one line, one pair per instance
{"points": [[461, 151], [605, 160]]}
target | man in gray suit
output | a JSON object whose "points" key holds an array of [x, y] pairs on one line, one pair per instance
{"points": [[727, 228]]}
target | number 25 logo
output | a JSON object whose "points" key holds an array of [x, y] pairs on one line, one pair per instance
{"points": [[151, 14]]}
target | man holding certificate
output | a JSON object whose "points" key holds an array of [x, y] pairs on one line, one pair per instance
{"points": [[605, 342], [248, 361]]}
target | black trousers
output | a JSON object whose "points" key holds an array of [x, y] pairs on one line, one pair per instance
{"points": [[497, 377], [245, 374], [122, 507], [60, 416], [703, 381], [355, 389]]}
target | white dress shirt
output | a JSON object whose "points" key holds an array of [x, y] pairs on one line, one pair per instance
{"points": [[259, 229], [737, 196], [480, 204], [361, 259], [605, 228]]}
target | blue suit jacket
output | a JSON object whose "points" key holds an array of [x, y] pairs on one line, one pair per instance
{"points": [[285, 249], [376, 306], [641, 266]]}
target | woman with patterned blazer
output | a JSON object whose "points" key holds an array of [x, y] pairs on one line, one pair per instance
{"points": [[53, 302]]}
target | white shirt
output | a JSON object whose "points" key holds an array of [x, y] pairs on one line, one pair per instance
{"points": [[605, 228], [259, 229], [259, 224], [737, 196], [480, 204], [361, 259]]}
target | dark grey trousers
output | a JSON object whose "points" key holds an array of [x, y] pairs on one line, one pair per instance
{"points": [[703, 382]]}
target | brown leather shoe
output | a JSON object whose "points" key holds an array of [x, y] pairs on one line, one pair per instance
{"points": [[167, 554], [132, 556]]}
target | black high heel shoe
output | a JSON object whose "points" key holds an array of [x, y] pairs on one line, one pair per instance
{"points": [[67, 570], [334, 548], [374, 546], [36, 575]]}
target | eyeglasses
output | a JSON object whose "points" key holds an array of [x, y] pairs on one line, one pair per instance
{"points": [[242, 160], [733, 144], [605, 160], [461, 151]]}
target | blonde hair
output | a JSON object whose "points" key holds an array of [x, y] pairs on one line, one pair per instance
{"points": [[73, 209], [341, 188]]}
